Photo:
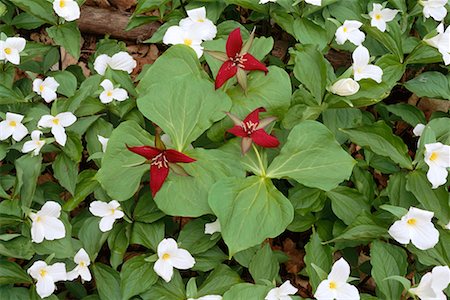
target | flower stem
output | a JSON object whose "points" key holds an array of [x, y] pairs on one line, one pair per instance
{"points": [[261, 165]]}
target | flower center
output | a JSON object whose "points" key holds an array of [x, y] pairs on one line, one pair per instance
{"points": [[43, 272], [82, 264], [249, 127], [378, 17], [109, 94], [433, 156], [166, 256], [41, 88], [411, 221], [238, 60], [113, 211], [345, 29], [38, 219], [8, 50], [62, 3], [188, 42], [160, 161], [200, 20], [55, 121], [332, 285], [38, 143], [12, 123]]}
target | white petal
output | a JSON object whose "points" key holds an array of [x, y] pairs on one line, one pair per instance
{"points": [[17, 43], [167, 246], [174, 36], [66, 118], [13, 57], [347, 292], [424, 236], [287, 288], [49, 95], [82, 256], [213, 227], [123, 61], [51, 83], [197, 13], [400, 232], [107, 85], [120, 94], [182, 259], [5, 130], [314, 2], [106, 223], [28, 146], [60, 134], [437, 13], [340, 271], [101, 63], [361, 56], [57, 271], [345, 87], [19, 132], [419, 214], [14, 117], [46, 121], [72, 275], [36, 135], [103, 141], [35, 268], [373, 72], [324, 292], [440, 278], [380, 24], [37, 232], [105, 98], [389, 14], [85, 274], [357, 37], [198, 50], [100, 209], [437, 176], [36, 85], [272, 294], [424, 290], [50, 208], [45, 286], [418, 129], [53, 229], [163, 269]]}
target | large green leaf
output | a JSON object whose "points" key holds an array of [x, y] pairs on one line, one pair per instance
{"points": [[10, 272], [188, 195], [137, 276], [347, 203], [249, 210], [319, 255], [120, 174], [219, 281], [184, 107], [430, 84], [312, 157], [68, 36], [28, 169], [107, 281], [41, 9], [264, 265], [247, 291], [378, 137]]}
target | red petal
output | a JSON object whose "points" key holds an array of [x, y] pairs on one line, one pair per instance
{"points": [[251, 63], [234, 43], [174, 156], [262, 138], [226, 71], [157, 178], [148, 152], [237, 131], [254, 115]]}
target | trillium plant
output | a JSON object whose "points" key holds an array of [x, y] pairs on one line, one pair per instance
{"points": [[224, 150]]}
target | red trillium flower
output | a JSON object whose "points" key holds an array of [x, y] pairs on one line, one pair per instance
{"points": [[252, 130], [237, 60], [160, 161]]}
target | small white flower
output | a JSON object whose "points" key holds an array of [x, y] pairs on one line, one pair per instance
{"points": [[177, 35], [209, 297], [416, 226], [46, 88], [57, 124], [418, 129], [380, 16], [441, 42], [110, 93], [361, 67], [345, 87], [12, 126], [447, 226], [83, 261], [10, 49], [67, 9], [121, 61], [350, 31], [437, 157], [314, 2], [282, 292], [336, 286], [434, 8], [169, 257], [46, 276], [199, 24], [432, 284], [103, 141], [35, 144], [46, 224], [266, 1], [213, 227], [109, 212]]}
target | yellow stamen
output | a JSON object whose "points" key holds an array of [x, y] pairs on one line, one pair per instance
{"points": [[55, 121], [12, 123], [43, 272], [200, 20], [411, 221], [166, 256], [344, 29], [378, 16], [41, 88], [188, 42], [433, 156], [62, 3], [113, 210], [109, 94], [82, 264], [332, 285], [8, 50], [38, 219]]}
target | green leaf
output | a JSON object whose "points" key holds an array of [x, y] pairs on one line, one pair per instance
{"points": [[430, 84], [41, 9], [388, 39], [86, 185], [8, 96], [405, 282], [379, 138], [174, 290], [118, 242], [147, 5], [193, 238], [387, 260], [137, 276], [307, 32], [249, 210], [14, 293], [91, 236], [26, 21], [67, 83], [435, 200], [221, 279], [399, 212], [347, 203], [66, 171], [19, 247], [147, 235], [107, 282], [337, 118], [11, 273], [68, 36], [363, 229], [192, 191], [312, 157], [189, 108], [319, 255], [246, 291], [121, 171], [28, 169], [146, 210], [264, 265], [397, 192], [410, 114]]}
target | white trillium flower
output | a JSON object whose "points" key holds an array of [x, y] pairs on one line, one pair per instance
{"points": [[432, 284], [83, 261], [266, 1], [67, 9], [10, 49], [121, 61], [418, 129], [199, 24], [57, 124], [108, 211], [213, 227], [110, 93], [361, 67], [176, 35], [434, 8], [350, 31], [46, 88], [437, 157], [35, 144], [12, 126], [169, 257], [441, 42], [103, 141], [314, 2], [416, 226], [336, 286], [345, 87], [46, 276], [209, 297], [282, 292], [380, 16], [46, 224], [447, 226]]}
